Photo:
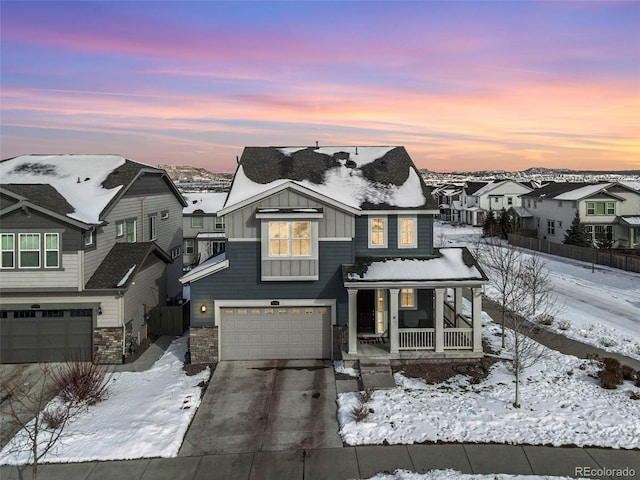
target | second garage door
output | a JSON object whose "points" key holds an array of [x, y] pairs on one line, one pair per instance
{"points": [[264, 333]]}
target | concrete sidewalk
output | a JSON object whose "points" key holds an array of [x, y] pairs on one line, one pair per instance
{"points": [[350, 463]]}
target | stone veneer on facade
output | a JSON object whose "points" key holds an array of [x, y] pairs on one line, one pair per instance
{"points": [[203, 344], [107, 345]]}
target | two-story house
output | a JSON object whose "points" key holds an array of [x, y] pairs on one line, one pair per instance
{"points": [[478, 199], [90, 243], [607, 210], [331, 248], [202, 228], [448, 197]]}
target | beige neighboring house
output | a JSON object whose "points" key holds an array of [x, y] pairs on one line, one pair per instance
{"points": [[480, 198], [90, 244], [608, 210], [203, 229]]}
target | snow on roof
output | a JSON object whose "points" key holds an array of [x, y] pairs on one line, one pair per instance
{"points": [[343, 184], [210, 235], [78, 178], [208, 202], [361, 155], [201, 270], [582, 192], [635, 220], [448, 266], [126, 276]]}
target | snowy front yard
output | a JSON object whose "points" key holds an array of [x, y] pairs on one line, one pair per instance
{"points": [[454, 475], [145, 415], [562, 404]]}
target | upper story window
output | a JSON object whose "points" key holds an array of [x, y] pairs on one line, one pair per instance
{"points": [[189, 246], [289, 239], [551, 227], [131, 230], [219, 223], [29, 250], [197, 222], [407, 232], [88, 238], [509, 200], [153, 228], [601, 208], [120, 228], [8, 258], [377, 232], [51, 250]]}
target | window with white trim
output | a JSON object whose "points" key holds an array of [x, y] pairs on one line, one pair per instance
{"points": [[88, 238], [51, 250], [219, 223], [120, 228], [29, 250], [189, 246], [8, 251], [131, 232], [153, 227], [407, 232], [377, 232], [408, 298], [197, 222], [551, 227], [289, 239], [601, 208]]}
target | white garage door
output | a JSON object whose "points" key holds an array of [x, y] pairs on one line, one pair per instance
{"points": [[263, 333]]}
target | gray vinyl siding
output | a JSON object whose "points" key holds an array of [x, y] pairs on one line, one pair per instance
{"points": [[148, 184], [149, 289], [288, 268], [335, 223], [241, 280], [425, 238]]}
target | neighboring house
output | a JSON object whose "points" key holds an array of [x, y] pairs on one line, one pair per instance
{"points": [[480, 198], [203, 229], [608, 210], [327, 248], [448, 199], [90, 243]]}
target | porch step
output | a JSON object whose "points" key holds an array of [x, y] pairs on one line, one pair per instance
{"points": [[376, 374]]}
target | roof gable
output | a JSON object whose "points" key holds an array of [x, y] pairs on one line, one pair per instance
{"points": [[364, 178]]}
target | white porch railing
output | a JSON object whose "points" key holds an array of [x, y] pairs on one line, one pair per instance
{"points": [[460, 338], [416, 339]]}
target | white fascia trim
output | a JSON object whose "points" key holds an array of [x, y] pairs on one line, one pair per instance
{"points": [[293, 186], [285, 216], [416, 284], [243, 239], [290, 278], [204, 272], [296, 302]]}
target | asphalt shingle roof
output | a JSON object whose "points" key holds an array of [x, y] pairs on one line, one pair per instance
{"points": [[42, 195]]}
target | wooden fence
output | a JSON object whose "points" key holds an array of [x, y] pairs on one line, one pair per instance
{"points": [[170, 320], [630, 263]]}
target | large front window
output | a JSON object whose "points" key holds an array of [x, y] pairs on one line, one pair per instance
{"points": [[29, 250], [289, 239], [601, 208], [377, 232]]}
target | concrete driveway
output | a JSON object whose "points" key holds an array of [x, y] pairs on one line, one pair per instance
{"points": [[256, 406]]}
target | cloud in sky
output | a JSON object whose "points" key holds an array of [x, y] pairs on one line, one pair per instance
{"points": [[463, 85]]}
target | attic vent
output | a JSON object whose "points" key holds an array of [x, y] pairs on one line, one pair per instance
{"points": [[350, 164]]}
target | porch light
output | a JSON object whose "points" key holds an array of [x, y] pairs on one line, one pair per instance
{"points": [[99, 310], [203, 308]]}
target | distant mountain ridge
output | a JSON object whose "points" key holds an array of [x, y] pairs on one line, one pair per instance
{"points": [[542, 171]]}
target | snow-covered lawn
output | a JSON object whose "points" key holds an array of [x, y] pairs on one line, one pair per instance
{"points": [[454, 475], [599, 307], [562, 404], [145, 415]]}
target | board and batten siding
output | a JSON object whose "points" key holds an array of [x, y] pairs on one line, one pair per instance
{"points": [[19, 221], [23, 279], [334, 223], [241, 281], [425, 237]]}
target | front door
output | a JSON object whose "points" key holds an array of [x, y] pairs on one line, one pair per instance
{"points": [[366, 311]]}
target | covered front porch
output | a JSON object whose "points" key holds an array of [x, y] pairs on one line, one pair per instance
{"points": [[412, 308]]}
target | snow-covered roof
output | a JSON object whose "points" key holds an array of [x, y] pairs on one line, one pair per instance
{"points": [[210, 235], [208, 202], [582, 192], [207, 267], [357, 177], [449, 264], [522, 212], [78, 178], [631, 220]]}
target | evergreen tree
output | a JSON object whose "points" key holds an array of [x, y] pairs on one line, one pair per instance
{"points": [[504, 224], [489, 225], [576, 234]]}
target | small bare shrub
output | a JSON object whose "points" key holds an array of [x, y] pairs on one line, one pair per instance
{"points": [[546, 319], [81, 382], [360, 412], [634, 396], [365, 395], [607, 342], [628, 373], [611, 364], [609, 380], [54, 417], [564, 325]]}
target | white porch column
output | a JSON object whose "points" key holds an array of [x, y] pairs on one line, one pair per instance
{"points": [[439, 320], [394, 335], [457, 303], [353, 320], [476, 315]]}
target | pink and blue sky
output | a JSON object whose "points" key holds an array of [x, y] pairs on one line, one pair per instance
{"points": [[462, 85]]}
